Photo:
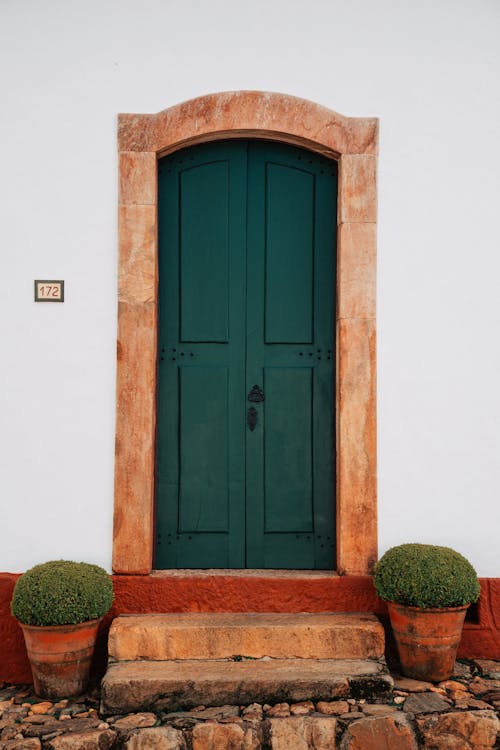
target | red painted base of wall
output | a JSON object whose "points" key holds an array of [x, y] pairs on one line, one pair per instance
{"points": [[481, 635]]}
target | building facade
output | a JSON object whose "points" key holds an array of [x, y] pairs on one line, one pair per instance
{"points": [[302, 276]]}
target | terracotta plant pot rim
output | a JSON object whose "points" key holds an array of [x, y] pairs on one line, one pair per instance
{"points": [[60, 627], [430, 610]]}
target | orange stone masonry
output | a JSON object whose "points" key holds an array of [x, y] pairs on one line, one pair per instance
{"points": [[358, 188], [352, 142], [213, 635]]}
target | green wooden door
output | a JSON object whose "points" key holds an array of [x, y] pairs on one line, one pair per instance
{"points": [[245, 431]]}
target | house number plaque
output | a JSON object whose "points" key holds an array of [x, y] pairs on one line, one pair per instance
{"points": [[49, 290]]}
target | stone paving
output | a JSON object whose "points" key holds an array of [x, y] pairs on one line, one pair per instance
{"points": [[458, 714]]}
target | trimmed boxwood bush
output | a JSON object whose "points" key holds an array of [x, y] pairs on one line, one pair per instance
{"points": [[61, 592], [423, 575]]}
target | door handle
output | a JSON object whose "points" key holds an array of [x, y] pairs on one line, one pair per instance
{"points": [[252, 418], [256, 395]]}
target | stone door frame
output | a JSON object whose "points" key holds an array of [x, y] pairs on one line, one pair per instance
{"points": [[352, 142]]}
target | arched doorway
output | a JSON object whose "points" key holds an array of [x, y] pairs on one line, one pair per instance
{"points": [[352, 142]]}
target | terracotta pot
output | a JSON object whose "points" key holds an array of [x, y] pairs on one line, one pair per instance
{"points": [[60, 657], [427, 639]]}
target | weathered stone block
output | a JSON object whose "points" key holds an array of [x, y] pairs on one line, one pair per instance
{"points": [[135, 721], [157, 738], [357, 270], [489, 668], [218, 737], [378, 709], [137, 178], [332, 708], [24, 744], [301, 733], [480, 686], [387, 732], [174, 685], [137, 276], [467, 730], [222, 635], [410, 685], [97, 739], [358, 188], [425, 703], [357, 445]]}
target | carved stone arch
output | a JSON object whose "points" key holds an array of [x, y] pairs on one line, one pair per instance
{"points": [[142, 139]]}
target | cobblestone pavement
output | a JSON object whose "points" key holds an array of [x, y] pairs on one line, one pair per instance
{"points": [[458, 714]]}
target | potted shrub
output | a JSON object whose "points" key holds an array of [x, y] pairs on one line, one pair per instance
{"points": [[428, 590], [59, 606]]}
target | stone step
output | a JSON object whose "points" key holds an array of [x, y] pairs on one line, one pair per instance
{"points": [[184, 684], [226, 635]]}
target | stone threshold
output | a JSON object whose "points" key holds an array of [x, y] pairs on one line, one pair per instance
{"points": [[243, 573], [187, 683], [212, 635]]}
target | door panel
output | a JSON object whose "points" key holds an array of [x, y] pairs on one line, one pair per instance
{"points": [[200, 476], [203, 427], [288, 482], [247, 279], [283, 475], [203, 250], [289, 226]]}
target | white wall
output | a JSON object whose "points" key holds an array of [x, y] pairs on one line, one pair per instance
{"points": [[430, 70]]}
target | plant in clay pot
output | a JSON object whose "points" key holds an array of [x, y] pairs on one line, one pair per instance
{"points": [[59, 605], [428, 590]]}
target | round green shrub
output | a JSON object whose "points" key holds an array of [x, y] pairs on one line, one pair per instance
{"points": [[61, 592], [424, 575]]}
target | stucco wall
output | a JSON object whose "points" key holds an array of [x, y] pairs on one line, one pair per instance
{"points": [[428, 70]]}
